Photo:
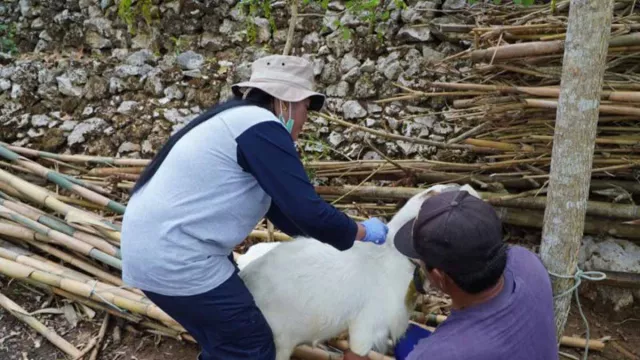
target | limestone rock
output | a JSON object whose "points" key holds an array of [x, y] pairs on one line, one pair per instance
{"points": [[263, 28], [340, 89], [116, 85], [414, 34], [85, 128], [335, 138], [153, 85], [312, 41], [419, 13], [65, 87], [141, 57], [127, 107], [40, 120], [348, 62], [368, 66], [5, 85], [173, 92], [352, 75], [68, 125], [338, 44], [96, 88], [612, 255], [353, 110], [190, 60], [128, 147], [364, 87], [95, 41], [16, 91], [454, 4], [173, 116]]}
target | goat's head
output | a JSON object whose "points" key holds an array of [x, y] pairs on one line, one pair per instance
{"points": [[411, 208], [407, 213]]}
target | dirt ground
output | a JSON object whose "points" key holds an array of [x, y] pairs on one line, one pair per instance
{"points": [[18, 342]]}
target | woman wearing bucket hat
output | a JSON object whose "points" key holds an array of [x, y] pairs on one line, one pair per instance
{"points": [[206, 190]]}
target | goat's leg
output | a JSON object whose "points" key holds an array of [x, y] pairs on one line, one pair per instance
{"points": [[284, 349], [361, 336]]}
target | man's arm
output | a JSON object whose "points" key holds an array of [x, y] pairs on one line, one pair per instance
{"points": [[267, 152]]}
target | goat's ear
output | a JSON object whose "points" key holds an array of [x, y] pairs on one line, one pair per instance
{"points": [[470, 190]]}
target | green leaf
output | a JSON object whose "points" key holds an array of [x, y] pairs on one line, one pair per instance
{"points": [[346, 33], [497, 2]]}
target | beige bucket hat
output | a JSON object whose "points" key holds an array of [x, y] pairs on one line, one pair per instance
{"points": [[288, 78]]}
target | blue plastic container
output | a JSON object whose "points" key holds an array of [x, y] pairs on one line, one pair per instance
{"points": [[409, 340]]}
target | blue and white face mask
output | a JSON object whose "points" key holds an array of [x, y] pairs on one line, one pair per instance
{"points": [[289, 123]]}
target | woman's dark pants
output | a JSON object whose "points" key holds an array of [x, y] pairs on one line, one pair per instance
{"points": [[225, 321]]}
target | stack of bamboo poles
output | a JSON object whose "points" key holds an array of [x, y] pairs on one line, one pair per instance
{"points": [[58, 235]]}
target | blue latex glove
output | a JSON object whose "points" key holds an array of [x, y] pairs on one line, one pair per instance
{"points": [[375, 231]]}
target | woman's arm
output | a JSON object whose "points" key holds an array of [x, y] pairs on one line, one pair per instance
{"points": [[267, 152]]}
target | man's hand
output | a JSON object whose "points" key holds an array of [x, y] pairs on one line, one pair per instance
{"points": [[349, 355]]}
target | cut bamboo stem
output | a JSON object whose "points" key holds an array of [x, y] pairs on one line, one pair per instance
{"points": [[62, 239], [41, 196], [20, 313], [20, 271], [62, 181], [77, 158]]}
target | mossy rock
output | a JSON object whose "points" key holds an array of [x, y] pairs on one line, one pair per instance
{"points": [[53, 140]]}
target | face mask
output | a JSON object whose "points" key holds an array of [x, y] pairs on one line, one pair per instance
{"points": [[289, 123]]}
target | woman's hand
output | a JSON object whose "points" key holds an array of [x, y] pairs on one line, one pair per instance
{"points": [[372, 230]]}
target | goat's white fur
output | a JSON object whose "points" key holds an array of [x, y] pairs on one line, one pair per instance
{"points": [[310, 292]]}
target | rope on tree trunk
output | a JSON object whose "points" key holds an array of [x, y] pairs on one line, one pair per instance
{"points": [[578, 276]]}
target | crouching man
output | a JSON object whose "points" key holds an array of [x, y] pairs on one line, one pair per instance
{"points": [[502, 302]]}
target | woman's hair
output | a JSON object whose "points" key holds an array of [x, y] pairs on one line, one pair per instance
{"points": [[255, 97]]}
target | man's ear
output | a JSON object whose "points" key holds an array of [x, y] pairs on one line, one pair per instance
{"points": [[437, 278]]}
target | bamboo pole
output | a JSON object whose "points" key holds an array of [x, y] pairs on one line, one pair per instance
{"points": [[67, 183], [20, 313], [58, 225], [29, 259], [594, 208], [77, 158], [20, 271], [42, 196], [62, 239]]}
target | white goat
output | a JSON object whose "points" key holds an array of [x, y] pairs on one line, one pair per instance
{"points": [[311, 292]]}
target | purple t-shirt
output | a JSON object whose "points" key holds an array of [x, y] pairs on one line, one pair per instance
{"points": [[516, 324]]}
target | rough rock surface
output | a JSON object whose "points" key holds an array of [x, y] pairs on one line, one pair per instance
{"points": [[613, 255], [121, 91]]}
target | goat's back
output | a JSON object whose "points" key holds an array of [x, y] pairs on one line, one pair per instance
{"points": [[325, 287]]}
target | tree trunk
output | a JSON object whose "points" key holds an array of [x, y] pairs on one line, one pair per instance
{"points": [[292, 27], [574, 140]]}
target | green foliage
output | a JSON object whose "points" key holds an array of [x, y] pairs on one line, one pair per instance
{"points": [[256, 8], [370, 11], [7, 42], [128, 13]]}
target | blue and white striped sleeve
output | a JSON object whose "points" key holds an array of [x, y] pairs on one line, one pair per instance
{"points": [[266, 151]]}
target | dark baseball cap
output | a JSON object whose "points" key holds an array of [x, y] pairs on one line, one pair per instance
{"points": [[455, 232]]}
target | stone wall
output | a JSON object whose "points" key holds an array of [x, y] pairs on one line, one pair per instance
{"points": [[85, 81]]}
